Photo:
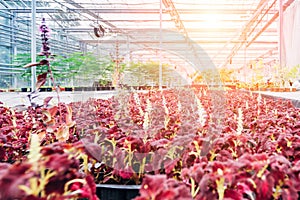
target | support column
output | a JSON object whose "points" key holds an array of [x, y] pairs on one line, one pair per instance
{"points": [[33, 44], [281, 45], [14, 51], [160, 44]]}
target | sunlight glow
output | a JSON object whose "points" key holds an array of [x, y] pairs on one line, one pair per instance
{"points": [[211, 20]]}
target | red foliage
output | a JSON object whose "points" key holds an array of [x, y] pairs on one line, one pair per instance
{"points": [[260, 162]]}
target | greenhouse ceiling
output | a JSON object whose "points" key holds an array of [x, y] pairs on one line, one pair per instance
{"points": [[231, 33]]}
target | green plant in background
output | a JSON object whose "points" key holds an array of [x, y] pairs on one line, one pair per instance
{"points": [[99, 69], [226, 75], [285, 75], [291, 73], [211, 76], [147, 74], [21, 60], [76, 65], [258, 76]]}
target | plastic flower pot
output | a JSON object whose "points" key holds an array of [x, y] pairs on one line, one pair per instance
{"points": [[49, 89], [90, 88], [24, 89], [79, 89], [117, 192], [68, 89], [98, 88], [262, 89], [293, 89]]}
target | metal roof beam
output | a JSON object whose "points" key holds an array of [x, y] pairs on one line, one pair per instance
{"points": [[156, 11], [275, 16], [28, 10], [169, 42], [138, 20], [89, 12], [247, 27], [237, 47], [5, 4], [92, 11], [136, 31]]}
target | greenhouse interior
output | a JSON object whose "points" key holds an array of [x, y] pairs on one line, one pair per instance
{"points": [[150, 100]]}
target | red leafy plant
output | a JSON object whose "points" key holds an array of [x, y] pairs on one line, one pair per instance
{"points": [[257, 176], [253, 155], [159, 187], [50, 172], [255, 162], [136, 142], [51, 124]]}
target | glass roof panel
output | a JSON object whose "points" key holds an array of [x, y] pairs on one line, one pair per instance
{"points": [[222, 28]]}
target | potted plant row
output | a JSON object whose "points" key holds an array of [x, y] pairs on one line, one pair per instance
{"points": [[248, 150]]}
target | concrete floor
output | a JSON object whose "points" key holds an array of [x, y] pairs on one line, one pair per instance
{"points": [[293, 96], [12, 99], [286, 95]]}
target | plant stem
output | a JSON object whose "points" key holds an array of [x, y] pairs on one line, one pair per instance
{"points": [[56, 89]]}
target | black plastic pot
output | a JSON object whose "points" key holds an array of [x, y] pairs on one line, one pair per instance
{"points": [[49, 89], [117, 192], [79, 89], [24, 89], [68, 89], [100, 88]]}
